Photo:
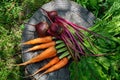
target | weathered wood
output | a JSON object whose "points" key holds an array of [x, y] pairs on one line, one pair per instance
{"points": [[72, 12]]}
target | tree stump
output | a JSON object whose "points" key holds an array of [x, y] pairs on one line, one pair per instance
{"points": [[66, 9]]}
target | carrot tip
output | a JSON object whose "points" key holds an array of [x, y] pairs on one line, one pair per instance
{"points": [[21, 44], [24, 43], [14, 65], [25, 51], [21, 64], [41, 75]]}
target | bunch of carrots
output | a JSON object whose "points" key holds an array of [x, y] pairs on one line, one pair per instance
{"points": [[60, 39], [52, 48]]}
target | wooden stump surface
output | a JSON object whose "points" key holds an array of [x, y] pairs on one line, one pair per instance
{"points": [[70, 11]]}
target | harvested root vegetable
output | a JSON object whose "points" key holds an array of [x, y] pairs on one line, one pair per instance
{"points": [[49, 64], [63, 62], [41, 46], [38, 40], [42, 28], [48, 53], [55, 29], [46, 45]]}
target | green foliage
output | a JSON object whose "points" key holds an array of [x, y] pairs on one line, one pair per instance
{"points": [[95, 68], [30, 6], [9, 12], [98, 7], [104, 67], [9, 46]]}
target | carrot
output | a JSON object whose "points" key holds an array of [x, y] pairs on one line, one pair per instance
{"points": [[49, 64], [48, 53], [57, 66], [39, 40], [41, 46]]}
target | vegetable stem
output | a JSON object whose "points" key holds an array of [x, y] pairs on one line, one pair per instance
{"points": [[66, 53]]}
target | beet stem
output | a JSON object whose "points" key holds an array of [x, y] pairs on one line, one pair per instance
{"points": [[77, 27], [67, 44], [46, 14], [29, 24], [75, 42]]}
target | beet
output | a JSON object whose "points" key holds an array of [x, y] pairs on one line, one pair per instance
{"points": [[42, 28], [55, 29]]}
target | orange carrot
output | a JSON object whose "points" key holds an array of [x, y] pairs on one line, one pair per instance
{"points": [[39, 40], [49, 64], [42, 46], [57, 66], [48, 53]]}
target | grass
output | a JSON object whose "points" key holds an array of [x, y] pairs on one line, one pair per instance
{"points": [[14, 12]]}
